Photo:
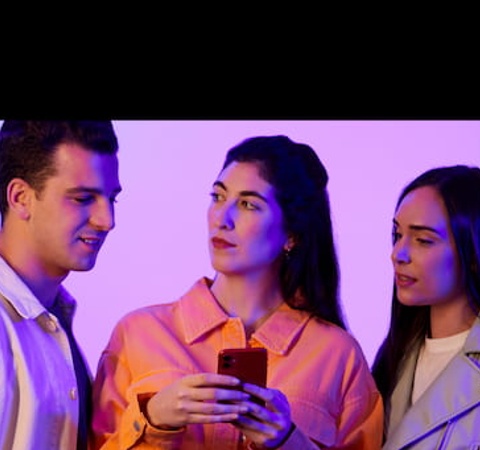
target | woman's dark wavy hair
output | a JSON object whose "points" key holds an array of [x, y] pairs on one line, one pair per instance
{"points": [[309, 274], [459, 188]]}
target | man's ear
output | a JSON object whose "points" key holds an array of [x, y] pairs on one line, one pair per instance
{"points": [[19, 198]]}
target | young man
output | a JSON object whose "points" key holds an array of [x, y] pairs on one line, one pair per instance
{"points": [[58, 185]]}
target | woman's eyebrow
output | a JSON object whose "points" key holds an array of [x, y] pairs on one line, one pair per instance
{"points": [[421, 228], [245, 193]]}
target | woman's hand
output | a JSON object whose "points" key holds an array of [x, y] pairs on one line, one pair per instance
{"points": [[268, 425], [199, 398]]}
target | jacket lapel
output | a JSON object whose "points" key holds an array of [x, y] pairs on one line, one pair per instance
{"points": [[402, 393], [452, 393]]}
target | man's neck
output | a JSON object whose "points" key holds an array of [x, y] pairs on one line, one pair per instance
{"points": [[43, 287]]}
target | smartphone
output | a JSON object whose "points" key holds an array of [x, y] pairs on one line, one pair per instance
{"points": [[247, 364]]}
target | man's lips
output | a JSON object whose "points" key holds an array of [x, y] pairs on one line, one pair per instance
{"points": [[92, 241], [220, 243]]}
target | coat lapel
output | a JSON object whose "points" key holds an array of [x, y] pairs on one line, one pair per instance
{"points": [[402, 393], [455, 391]]}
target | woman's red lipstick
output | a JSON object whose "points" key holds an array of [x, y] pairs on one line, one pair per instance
{"points": [[219, 243], [404, 280]]}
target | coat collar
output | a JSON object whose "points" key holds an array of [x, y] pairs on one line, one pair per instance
{"points": [[455, 391]]}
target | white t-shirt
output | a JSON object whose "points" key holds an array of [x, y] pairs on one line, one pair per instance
{"points": [[434, 356]]}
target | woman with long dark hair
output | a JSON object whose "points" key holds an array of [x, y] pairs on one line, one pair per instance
{"points": [[276, 287], [428, 367]]}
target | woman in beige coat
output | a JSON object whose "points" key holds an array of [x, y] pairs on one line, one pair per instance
{"points": [[428, 367]]}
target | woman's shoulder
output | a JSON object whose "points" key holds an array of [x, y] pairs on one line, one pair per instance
{"points": [[332, 334], [164, 310]]}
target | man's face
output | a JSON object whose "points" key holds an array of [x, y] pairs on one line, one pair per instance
{"points": [[71, 217]]}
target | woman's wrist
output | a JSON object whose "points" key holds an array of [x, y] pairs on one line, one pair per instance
{"points": [[144, 403], [253, 446]]}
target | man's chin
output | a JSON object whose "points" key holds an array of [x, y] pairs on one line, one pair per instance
{"points": [[84, 266]]}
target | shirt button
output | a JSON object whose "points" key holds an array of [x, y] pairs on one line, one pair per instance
{"points": [[73, 393], [136, 425]]}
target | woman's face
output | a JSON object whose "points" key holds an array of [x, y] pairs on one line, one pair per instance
{"points": [[424, 256], [245, 222]]}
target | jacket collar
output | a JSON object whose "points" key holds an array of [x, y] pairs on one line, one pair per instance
{"points": [[22, 299], [201, 314]]}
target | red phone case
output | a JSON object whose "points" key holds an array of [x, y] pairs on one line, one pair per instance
{"points": [[247, 364]]}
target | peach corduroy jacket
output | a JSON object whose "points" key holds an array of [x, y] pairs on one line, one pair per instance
{"points": [[317, 365]]}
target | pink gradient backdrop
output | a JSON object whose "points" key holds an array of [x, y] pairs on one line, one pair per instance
{"points": [[159, 248]]}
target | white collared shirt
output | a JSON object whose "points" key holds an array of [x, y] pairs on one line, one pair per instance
{"points": [[39, 403]]}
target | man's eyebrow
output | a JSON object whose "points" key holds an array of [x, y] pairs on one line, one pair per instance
{"points": [[90, 190], [242, 193]]}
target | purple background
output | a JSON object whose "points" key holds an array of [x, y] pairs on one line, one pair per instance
{"points": [[159, 248]]}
